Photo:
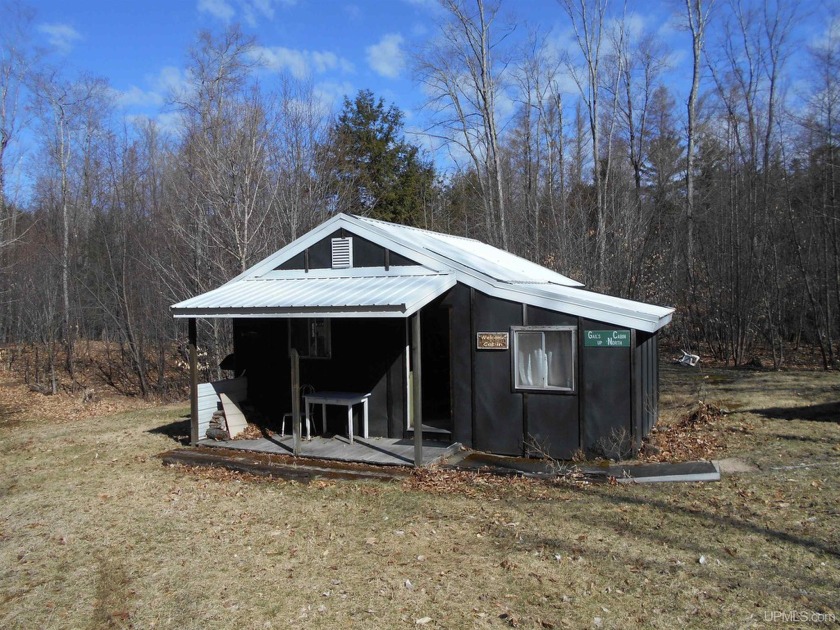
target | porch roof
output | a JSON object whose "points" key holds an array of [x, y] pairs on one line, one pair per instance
{"points": [[361, 292]]}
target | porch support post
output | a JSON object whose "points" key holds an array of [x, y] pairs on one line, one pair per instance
{"points": [[193, 342], [296, 400], [417, 391]]}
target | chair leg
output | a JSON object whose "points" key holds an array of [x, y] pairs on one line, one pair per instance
{"points": [[283, 426]]}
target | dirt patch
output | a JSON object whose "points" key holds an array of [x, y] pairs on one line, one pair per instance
{"points": [[735, 465]]}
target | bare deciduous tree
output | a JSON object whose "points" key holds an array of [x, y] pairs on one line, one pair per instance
{"points": [[587, 18], [70, 112], [462, 75]]}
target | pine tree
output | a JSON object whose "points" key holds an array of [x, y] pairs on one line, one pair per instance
{"points": [[387, 175]]}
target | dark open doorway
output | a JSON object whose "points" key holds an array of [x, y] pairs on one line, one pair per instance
{"points": [[437, 375]]}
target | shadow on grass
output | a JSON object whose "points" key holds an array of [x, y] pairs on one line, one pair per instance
{"points": [[716, 520], [786, 581], [800, 438], [823, 412], [178, 430]]}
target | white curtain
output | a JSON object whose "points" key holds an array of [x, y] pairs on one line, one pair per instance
{"points": [[544, 359], [531, 359]]}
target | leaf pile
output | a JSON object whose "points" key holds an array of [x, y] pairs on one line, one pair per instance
{"points": [[19, 402], [698, 435], [251, 432]]}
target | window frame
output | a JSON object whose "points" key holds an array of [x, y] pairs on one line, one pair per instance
{"points": [[514, 365], [308, 323]]}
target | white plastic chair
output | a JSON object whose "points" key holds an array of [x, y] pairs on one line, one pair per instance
{"points": [[304, 389], [288, 416], [688, 359]]}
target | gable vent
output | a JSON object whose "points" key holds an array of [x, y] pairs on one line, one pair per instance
{"points": [[342, 253]]}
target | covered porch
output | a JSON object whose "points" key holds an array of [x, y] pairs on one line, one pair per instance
{"points": [[351, 333]]}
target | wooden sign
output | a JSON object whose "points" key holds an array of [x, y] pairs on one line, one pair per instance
{"points": [[491, 341], [606, 338]]}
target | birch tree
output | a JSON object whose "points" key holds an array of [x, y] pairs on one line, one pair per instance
{"points": [[16, 59], [70, 112], [464, 80], [587, 18], [697, 17]]}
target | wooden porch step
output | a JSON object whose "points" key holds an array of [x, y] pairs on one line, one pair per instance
{"points": [[299, 470]]}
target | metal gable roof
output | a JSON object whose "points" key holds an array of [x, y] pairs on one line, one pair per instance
{"points": [[474, 255], [442, 261]]}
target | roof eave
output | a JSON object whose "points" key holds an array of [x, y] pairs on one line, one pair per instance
{"points": [[392, 310], [397, 309], [573, 304]]}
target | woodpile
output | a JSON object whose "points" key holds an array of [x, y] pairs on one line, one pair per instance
{"points": [[218, 427]]}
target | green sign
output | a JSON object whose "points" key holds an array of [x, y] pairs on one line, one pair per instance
{"points": [[606, 338]]}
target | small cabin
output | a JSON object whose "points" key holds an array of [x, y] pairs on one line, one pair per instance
{"points": [[488, 349]]}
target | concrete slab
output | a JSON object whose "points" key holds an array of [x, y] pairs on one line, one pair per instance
{"points": [[664, 472], [623, 473]]}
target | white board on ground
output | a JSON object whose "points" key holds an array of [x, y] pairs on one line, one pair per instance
{"points": [[236, 422]]}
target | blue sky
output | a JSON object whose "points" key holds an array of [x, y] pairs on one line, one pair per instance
{"points": [[141, 47], [343, 45]]}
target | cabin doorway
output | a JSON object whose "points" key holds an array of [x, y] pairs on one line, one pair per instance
{"points": [[435, 342]]}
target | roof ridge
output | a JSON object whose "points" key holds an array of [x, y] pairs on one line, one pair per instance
{"points": [[427, 231]]}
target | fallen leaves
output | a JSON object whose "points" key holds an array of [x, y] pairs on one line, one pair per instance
{"points": [[698, 435], [250, 432], [20, 403], [473, 483]]}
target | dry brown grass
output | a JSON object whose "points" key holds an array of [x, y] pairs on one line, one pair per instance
{"points": [[95, 532]]}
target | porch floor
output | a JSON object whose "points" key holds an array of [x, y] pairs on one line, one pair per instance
{"points": [[373, 450]]}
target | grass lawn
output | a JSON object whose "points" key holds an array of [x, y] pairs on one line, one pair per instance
{"points": [[95, 532]]}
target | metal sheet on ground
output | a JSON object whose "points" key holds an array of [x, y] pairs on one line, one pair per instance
{"points": [[236, 422]]}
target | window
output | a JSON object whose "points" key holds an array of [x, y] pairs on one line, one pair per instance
{"points": [[310, 337], [544, 358]]}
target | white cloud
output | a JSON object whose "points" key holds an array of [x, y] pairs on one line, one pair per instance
{"points": [[136, 97], [387, 57], [170, 79], [635, 26], [433, 6], [829, 36], [330, 93], [168, 123], [251, 11], [60, 36], [220, 9], [300, 63], [169, 83]]}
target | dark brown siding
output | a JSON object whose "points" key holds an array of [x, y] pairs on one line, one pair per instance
{"points": [[551, 419], [606, 390], [498, 422], [365, 254]]}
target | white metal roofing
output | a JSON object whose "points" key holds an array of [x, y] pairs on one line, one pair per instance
{"points": [[398, 292], [470, 253], [442, 261]]}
